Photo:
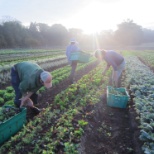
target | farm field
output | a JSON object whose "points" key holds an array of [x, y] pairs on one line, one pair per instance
{"points": [[76, 118]]}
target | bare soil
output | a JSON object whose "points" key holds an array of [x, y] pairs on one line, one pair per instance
{"points": [[109, 130]]}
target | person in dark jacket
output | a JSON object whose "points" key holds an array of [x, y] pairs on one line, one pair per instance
{"points": [[27, 78], [113, 59], [72, 47]]}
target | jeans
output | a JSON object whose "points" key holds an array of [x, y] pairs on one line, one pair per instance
{"points": [[119, 70], [15, 81], [74, 66]]}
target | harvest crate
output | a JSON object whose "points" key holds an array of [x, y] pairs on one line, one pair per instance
{"points": [[117, 100], [81, 57], [12, 125]]}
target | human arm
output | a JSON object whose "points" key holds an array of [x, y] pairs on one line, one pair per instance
{"points": [[25, 98], [24, 85], [105, 70]]}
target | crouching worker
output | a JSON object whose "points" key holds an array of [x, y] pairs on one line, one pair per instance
{"points": [[27, 78], [113, 59]]}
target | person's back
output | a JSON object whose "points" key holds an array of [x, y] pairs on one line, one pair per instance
{"points": [[113, 58], [29, 75], [71, 48], [26, 79], [27, 69]]}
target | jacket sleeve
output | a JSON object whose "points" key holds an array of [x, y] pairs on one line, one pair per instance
{"points": [[23, 87]]}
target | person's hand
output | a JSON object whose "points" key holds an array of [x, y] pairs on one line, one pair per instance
{"points": [[23, 99], [30, 103], [21, 104]]}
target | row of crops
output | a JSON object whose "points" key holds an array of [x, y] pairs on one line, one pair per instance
{"points": [[46, 59], [19, 55], [140, 79], [7, 94], [62, 123], [147, 56], [58, 129], [46, 65], [56, 58]]}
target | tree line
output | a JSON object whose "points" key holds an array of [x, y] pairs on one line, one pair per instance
{"points": [[39, 35]]}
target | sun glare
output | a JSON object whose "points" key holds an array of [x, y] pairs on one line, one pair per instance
{"points": [[95, 17], [91, 18]]}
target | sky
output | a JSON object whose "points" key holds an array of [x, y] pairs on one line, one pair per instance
{"points": [[89, 15]]}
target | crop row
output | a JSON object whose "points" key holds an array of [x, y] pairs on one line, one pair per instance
{"points": [[23, 51], [47, 64], [7, 95], [141, 81], [5, 58], [147, 56], [61, 125]]}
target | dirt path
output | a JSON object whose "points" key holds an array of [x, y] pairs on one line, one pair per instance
{"points": [[110, 131], [47, 97]]}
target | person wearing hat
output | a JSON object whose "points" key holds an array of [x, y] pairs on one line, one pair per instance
{"points": [[72, 47], [113, 59], [27, 78]]}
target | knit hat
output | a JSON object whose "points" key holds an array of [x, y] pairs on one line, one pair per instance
{"points": [[46, 77], [72, 40]]}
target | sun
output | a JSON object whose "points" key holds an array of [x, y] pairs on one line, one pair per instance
{"points": [[91, 18], [94, 18]]}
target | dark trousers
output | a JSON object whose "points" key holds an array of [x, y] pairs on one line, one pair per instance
{"points": [[74, 66], [15, 81]]}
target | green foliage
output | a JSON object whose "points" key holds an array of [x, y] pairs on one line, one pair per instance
{"points": [[115, 91], [10, 102], [42, 89], [8, 96], [55, 82], [70, 148], [1, 100], [2, 92], [9, 89], [7, 112], [82, 123]]}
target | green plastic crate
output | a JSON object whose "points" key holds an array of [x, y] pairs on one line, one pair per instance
{"points": [[12, 125], [81, 57], [119, 101]]}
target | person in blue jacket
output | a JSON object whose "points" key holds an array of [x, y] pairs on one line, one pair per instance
{"points": [[113, 59], [72, 47]]}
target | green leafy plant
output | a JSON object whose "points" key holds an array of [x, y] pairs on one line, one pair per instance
{"points": [[70, 148], [8, 96], [82, 123], [1, 100], [9, 89], [2, 92]]}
